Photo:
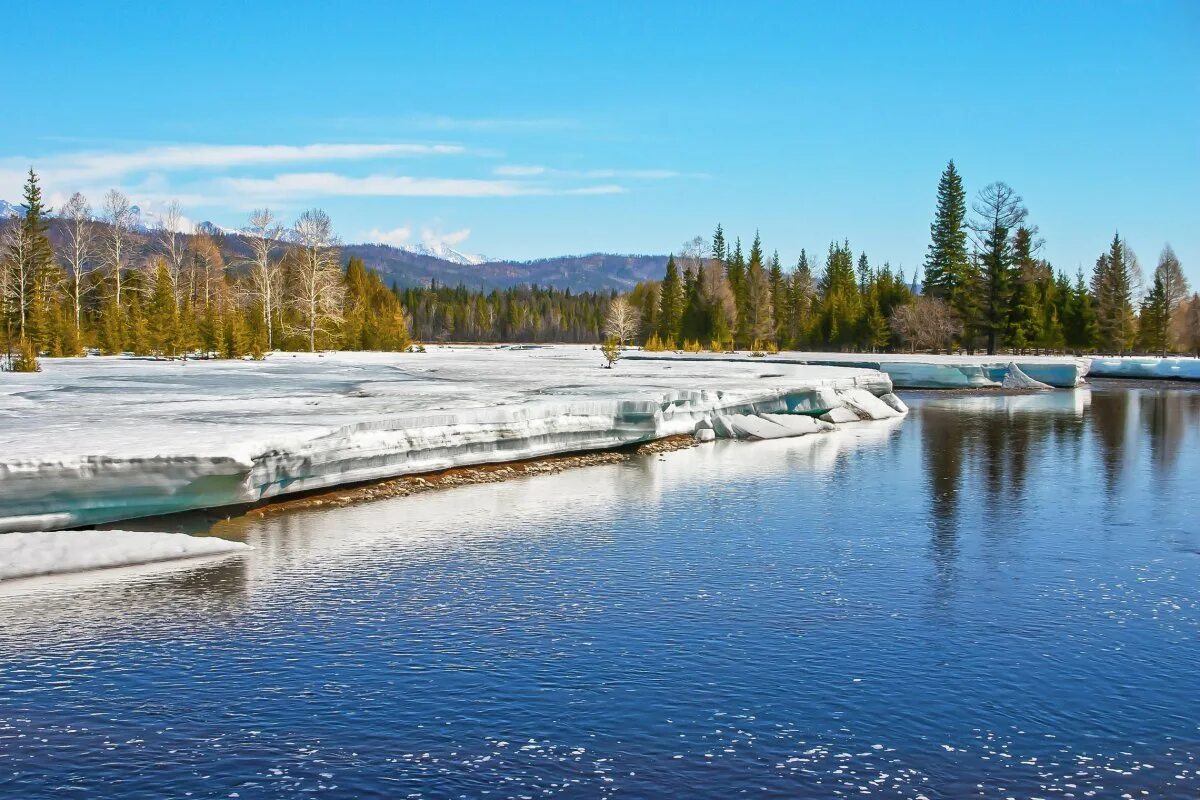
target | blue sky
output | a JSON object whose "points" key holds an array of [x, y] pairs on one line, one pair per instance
{"points": [[533, 129]]}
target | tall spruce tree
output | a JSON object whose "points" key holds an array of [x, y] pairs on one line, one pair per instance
{"points": [[998, 212], [949, 273], [671, 300], [1112, 291]]}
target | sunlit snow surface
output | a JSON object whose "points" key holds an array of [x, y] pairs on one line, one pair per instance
{"points": [[101, 439]]}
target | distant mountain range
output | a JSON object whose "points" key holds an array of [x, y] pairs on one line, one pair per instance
{"points": [[421, 265]]}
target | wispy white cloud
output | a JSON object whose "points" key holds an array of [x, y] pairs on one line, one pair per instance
{"points": [[518, 170], [452, 239], [332, 184], [95, 165], [395, 237], [528, 170]]}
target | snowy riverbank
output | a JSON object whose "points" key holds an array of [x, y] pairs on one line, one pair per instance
{"points": [[102, 439]]}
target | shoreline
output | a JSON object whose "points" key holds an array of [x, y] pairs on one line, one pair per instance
{"points": [[495, 472]]}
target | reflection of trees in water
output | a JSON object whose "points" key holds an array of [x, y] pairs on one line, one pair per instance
{"points": [[994, 444], [998, 444], [1166, 418], [942, 431], [1109, 419]]}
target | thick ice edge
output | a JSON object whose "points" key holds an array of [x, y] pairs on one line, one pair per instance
{"points": [[1181, 369], [27, 555], [103, 439], [924, 371]]}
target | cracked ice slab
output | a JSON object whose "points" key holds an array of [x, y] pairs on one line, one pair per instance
{"points": [[925, 371], [27, 555], [103, 439]]}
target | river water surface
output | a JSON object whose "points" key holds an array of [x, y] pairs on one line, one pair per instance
{"points": [[996, 597]]}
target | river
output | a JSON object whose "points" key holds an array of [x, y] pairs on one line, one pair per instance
{"points": [[998, 596]]}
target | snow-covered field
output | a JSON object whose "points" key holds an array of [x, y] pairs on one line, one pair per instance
{"points": [[102, 439], [925, 371]]}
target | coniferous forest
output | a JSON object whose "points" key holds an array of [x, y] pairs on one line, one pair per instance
{"points": [[78, 279]]}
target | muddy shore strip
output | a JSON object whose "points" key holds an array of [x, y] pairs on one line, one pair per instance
{"points": [[406, 485]]}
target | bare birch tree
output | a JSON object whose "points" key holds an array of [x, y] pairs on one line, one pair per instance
{"points": [[18, 275], [118, 213], [79, 249], [266, 277], [317, 279], [174, 246], [621, 323]]}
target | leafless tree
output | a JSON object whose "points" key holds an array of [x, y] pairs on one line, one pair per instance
{"points": [[927, 323], [693, 254], [1191, 325], [1175, 284], [174, 246], [18, 277], [118, 213], [266, 278], [621, 323], [317, 279], [717, 295], [79, 249], [208, 268]]}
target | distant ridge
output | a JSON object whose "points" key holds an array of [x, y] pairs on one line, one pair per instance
{"points": [[421, 265]]}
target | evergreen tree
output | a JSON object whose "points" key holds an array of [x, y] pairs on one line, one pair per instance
{"points": [[949, 273], [1112, 282], [999, 212], [801, 291], [671, 303], [30, 262], [1155, 318], [163, 322], [1082, 329]]}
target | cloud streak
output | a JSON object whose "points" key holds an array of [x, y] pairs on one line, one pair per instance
{"points": [[100, 165], [332, 184]]}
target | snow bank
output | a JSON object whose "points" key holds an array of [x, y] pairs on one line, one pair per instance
{"points": [[1184, 369], [25, 555], [927, 371], [103, 439]]}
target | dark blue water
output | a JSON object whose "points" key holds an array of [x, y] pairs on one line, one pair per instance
{"points": [[998, 597]]}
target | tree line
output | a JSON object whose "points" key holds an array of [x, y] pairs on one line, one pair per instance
{"points": [[78, 279], [985, 287]]}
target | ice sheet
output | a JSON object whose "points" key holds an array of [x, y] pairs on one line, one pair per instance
{"points": [[102, 439], [926, 371], [1185, 369]]}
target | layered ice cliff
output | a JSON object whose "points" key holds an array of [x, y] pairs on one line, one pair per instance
{"points": [[1184, 369], [925, 371], [102, 439]]}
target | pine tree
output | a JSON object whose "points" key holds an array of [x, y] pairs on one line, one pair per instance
{"points": [[1082, 329], [163, 322], [949, 273], [1155, 318], [1112, 282], [998, 212], [671, 302], [30, 262], [779, 300]]}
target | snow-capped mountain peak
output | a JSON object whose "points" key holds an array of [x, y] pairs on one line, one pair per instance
{"points": [[8, 209], [444, 252]]}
